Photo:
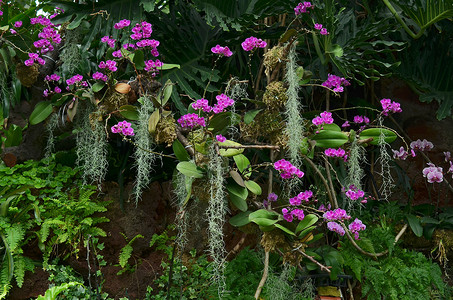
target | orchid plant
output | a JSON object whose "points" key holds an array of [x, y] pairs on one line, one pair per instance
{"points": [[291, 202]]}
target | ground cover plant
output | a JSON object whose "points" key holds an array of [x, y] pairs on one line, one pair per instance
{"points": [[248, 114]]}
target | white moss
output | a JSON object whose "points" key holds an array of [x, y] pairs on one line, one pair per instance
{"points": [[384, 161], [216, 214], [293, 109], [143, 159], [91, 147], [51, 125]]}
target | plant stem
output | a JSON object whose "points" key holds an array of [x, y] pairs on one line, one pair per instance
{"points": [[321, 266], [398, 18], [323, 179], [264, 278], [329, 178]]}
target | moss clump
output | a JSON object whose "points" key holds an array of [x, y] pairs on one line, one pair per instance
{"points": [[115, 100], [166, 131], [275, 96], [273, 57], [27, 75], [272, 240], [269, 125]]}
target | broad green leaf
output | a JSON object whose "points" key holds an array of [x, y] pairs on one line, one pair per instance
{"points": [[41, 112], [97, 86], [330, 139], [220, 123], [153, 120], [230, 152], [234, 189], [306, 222], [242, 162], [180, 152], [139, 59], [166, 66], [250, 115], [375, 133], [263, 213], [284, 229], [253, 187], [168, 89], [331, 127], [306, 231], [241, 219], [189, 169], [264, 221], [129, 112], [415, 225], [239, 202]]}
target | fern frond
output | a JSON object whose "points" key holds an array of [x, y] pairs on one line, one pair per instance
{"points": [[125, 254]]}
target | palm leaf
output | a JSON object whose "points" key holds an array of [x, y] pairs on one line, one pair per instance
{"points": [[426, 12]]}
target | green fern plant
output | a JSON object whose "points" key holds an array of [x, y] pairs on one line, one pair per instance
{"points": [[126, 253], [69, 220]]}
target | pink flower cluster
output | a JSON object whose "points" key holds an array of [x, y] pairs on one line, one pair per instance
{"points": [[53, 77], [355, 227], [252, 43], [121, 24], [288, 170], [141, 30], [153, 66], [203, 104], [222, 50], [191, 121], [336, 215], [335, 83], [331, 152], [322, 30], [220, 138], [223, 101], [402, 153], [109, 64], [303, 196], [289, 215], [111, 42], [117, 54], [74, 79], [422, 145], [433, 173], [32, 58], [123, 128], [47, 36], [335, 227], [100, 76], [323, 118], [354, 193], [18, 24], [361, 119], [390, 106], [301, 8], [41, 20]]}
